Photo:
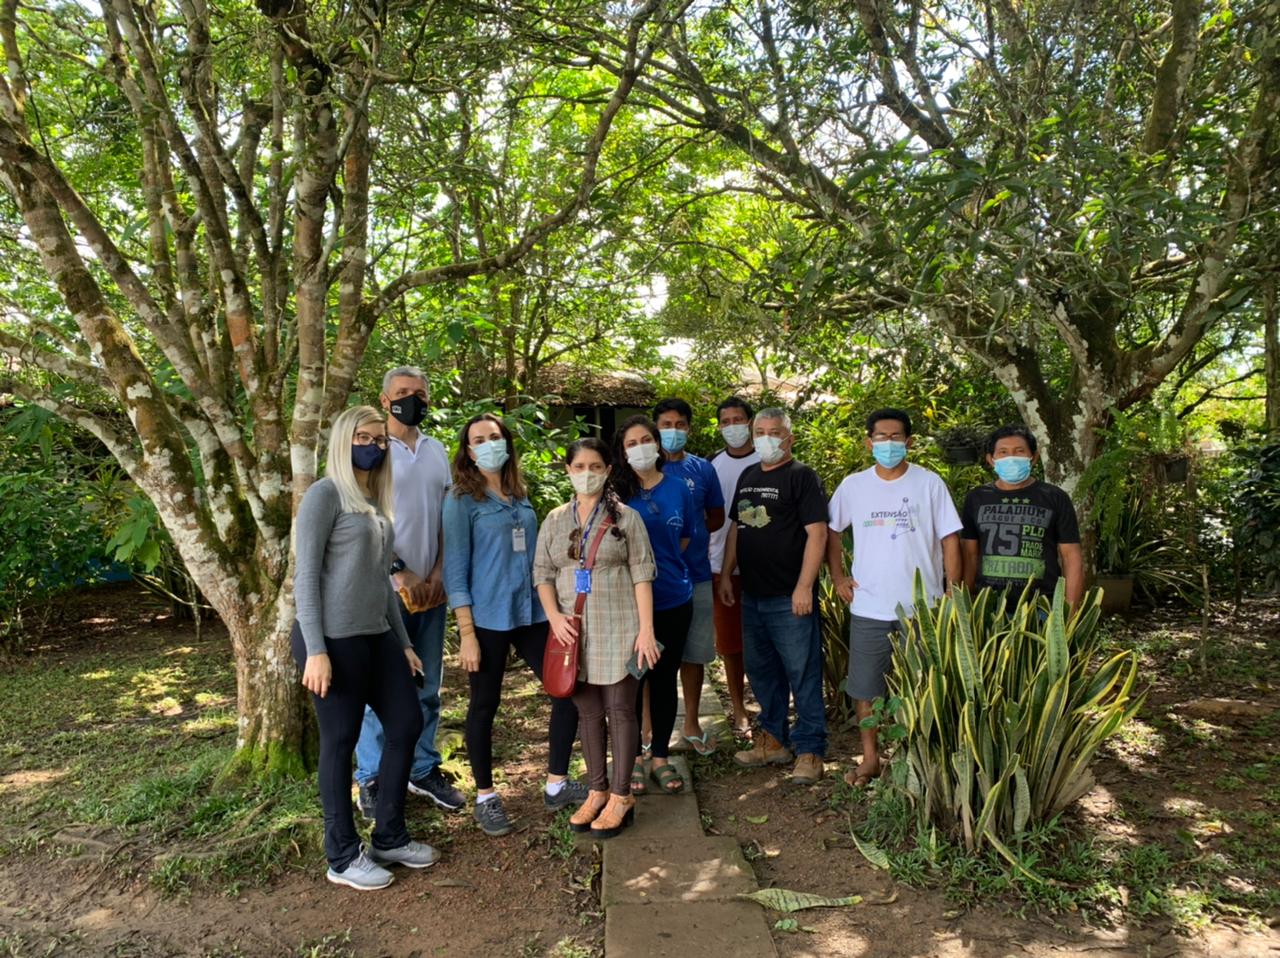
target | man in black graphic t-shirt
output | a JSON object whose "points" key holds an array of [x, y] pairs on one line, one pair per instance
{"points": [[1018, 527]]}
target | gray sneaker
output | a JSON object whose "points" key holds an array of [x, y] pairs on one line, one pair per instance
{"points": [[492, 817], [362, 874], [411, 855], [570, 795]]}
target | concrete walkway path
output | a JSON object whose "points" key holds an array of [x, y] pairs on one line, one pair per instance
{"points": [[668, 890]]}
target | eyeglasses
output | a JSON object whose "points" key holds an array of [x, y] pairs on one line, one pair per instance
{"points": [[885, 437], [364, 439]]}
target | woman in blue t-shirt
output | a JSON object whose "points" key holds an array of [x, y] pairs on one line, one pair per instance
{"points": [[666, 506], [490, 539]]}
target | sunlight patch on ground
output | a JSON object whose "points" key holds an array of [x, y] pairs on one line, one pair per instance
{"points": [[180, 650], [98, 675], [29, 778]]}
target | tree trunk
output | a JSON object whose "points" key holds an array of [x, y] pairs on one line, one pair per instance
{"points": [[1271, 321]]}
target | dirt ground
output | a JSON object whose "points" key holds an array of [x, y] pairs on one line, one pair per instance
{"points": [[1172, 780]]}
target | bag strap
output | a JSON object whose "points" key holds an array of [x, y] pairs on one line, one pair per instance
{"points": [[581, 600]]}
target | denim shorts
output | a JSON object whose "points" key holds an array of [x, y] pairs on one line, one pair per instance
{"points": [[870, 657], [700, 646]]}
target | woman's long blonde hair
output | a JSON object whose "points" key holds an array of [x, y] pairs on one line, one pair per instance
{"points": [[343, 474]]}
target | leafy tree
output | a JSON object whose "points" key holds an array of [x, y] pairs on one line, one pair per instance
{"points": [[188, 210], [1075, 194]]}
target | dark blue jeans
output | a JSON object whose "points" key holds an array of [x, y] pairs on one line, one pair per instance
{"points": [[426, 632], [368, 671], [782, 653]]}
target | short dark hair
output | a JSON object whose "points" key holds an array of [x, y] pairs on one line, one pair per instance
{"points": [[735, 402], [889, 413], [1008, 432], [674, 404]]}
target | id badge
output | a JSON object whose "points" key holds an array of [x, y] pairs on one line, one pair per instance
{"points": [[517, 539], [582, 581]]}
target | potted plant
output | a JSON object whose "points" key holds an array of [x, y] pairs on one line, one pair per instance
{"points": [[962, 445], [1170, 448]]}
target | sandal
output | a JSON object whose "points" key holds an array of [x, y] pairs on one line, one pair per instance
{"points": [[703, 744], [860, 779], [666, 776], [639, 782]]}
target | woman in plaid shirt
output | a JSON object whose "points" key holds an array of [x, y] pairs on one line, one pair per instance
{"points": [[616, 628]]}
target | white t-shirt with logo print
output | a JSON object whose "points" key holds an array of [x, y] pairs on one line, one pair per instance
{"points": [[898, 527]]}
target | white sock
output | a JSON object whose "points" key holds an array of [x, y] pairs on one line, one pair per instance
{"points": [[553, 788], [481, 799]]}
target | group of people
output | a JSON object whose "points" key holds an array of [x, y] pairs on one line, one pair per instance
{"points": [[660, 560]]}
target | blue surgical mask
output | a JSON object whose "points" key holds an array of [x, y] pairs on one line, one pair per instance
{"points": [[889, 453], [492, 455], [770, 449], [1012, 468], [673, 440], [367, 458], [737, 435]]}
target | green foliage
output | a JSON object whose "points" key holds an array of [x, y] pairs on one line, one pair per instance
{"points": [[53, 511], [833, 613], [1004, 705], [1257, 513]]}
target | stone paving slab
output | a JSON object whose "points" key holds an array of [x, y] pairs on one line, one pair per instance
{"points": [[674, 869], [685, 929]]}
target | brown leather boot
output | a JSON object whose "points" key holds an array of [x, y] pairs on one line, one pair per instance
{"points": [[617, 815], [808, 769], [588, 810], [766, 750]]}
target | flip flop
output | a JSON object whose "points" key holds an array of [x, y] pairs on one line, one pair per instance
{"points": [[703, 744], [860, 779]]}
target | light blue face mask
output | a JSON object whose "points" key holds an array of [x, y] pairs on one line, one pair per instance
{"points": [[889, 453], [492, 455], [1012, 468], [673, 440]]}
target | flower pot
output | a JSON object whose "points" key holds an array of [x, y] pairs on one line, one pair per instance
{"points": [[1174, 469], [965, 455], [1117, 592]]}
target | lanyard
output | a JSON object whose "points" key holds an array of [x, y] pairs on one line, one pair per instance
{"points": [[586, 535]]}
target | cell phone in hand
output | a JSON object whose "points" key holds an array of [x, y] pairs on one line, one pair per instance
{"points": [[419, 679], [633, 664]]}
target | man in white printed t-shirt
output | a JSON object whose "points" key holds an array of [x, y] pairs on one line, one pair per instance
{"points": [[903, 519]]}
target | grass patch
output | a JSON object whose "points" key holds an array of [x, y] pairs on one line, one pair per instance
{"points": [[1065, 869], [125, 749]]}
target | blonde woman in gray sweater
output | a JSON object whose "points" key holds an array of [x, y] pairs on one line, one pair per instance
{"points": [[351, 645]]}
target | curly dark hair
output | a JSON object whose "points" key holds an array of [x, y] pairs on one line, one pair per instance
{"points": [[609, 495], [467, 478], [624, 479]]}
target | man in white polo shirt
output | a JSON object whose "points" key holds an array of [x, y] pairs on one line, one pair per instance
{"points": [[420, 473], [903, 520]]}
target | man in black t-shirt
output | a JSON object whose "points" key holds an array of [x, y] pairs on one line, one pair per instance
{"points": [[777, 539], [1018, 527]]}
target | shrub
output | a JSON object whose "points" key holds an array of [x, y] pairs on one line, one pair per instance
{"points": [[1003, 707]]}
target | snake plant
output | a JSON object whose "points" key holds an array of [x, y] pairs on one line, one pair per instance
{"points": [[1005, 701]]}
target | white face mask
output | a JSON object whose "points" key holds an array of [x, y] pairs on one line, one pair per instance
{"points": [[737, 435], [587, 483], [643, 457], [770, 449]]}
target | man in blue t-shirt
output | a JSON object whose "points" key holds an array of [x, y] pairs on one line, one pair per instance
{"points": [[673, 417]]}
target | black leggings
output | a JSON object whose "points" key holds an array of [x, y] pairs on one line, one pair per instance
{"points": [[367, 670], [671, 628], [530, 642]]}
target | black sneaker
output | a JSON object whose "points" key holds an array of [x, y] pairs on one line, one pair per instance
{"points": [[492, 817], [571, 794], [368, 799], [434, 786]]}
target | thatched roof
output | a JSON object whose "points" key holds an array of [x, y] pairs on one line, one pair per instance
{"points": [[586, 387]]}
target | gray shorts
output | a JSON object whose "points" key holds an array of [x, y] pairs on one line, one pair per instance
{"points": [[870, 657], [700, 646]]}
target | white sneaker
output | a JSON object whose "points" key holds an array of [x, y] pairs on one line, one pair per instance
{"points": [[411, 854], [362, 874]]}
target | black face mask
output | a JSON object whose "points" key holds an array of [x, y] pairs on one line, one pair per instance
{"points": [[409, 410]]}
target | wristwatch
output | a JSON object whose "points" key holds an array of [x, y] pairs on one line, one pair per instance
{"points": [[397, 565]]}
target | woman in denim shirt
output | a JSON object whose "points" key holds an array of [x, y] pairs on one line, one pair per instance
{"points": [[490, 531]]}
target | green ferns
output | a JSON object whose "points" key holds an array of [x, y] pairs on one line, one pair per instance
{"points": [[1003, 708]]}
